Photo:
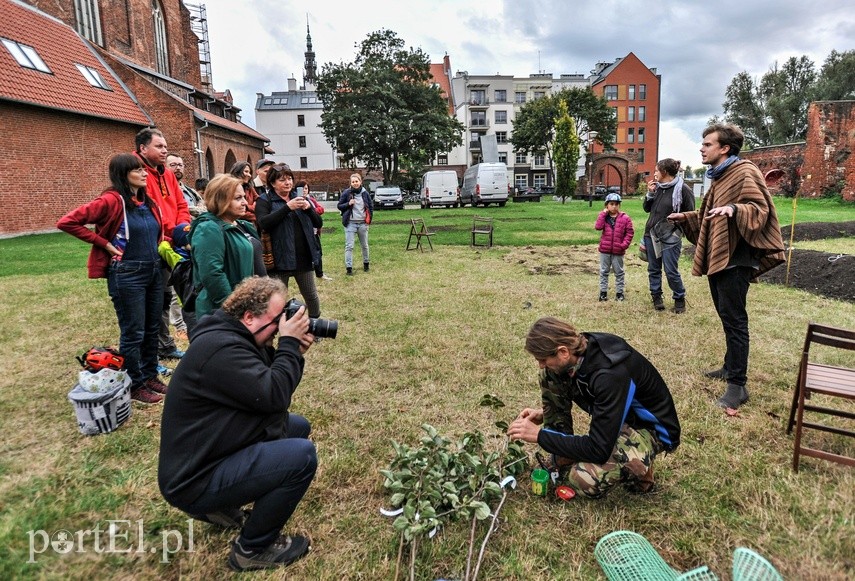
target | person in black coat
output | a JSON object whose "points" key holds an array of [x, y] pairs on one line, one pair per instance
{"points": [[227, 436], [633, 417]]}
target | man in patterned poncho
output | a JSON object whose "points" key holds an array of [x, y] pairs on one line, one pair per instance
{"points": [[737, 239]]}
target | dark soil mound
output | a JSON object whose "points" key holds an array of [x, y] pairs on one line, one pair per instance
{"points": [[820, 273]]}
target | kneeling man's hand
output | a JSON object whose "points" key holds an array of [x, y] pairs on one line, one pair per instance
{"points": [[297, 327], [524, 429]]}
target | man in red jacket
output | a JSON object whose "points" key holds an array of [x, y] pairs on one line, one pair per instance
{"points": [[163, 187]]}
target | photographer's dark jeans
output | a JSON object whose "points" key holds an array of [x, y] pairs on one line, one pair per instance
{"points": [[273, 475], [136, 288], [670, 260], [729, 289]]}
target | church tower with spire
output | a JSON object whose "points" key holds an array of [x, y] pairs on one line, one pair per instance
{"points": [[310, 68]]}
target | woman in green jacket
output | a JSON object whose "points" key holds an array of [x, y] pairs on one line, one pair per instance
{"points": [[225, 249]]}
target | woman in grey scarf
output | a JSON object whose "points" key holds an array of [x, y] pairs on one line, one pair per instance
{"points": [[666, 194]]}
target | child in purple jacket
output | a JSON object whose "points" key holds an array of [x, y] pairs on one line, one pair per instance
{"points": [[616, 227]]}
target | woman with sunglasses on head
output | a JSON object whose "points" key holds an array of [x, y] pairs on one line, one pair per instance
{"points": [[128, 229], [226, 247], [290, 220]]}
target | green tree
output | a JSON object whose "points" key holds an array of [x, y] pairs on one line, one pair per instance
{"points": [[773, 109], [566, 152], [383, 109], [534, 125], [836, 80]]}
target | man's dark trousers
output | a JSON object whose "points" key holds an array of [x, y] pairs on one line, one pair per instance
{"points": [[273, 475], [729, 290]]}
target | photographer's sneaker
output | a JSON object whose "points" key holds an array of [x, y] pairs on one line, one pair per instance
{"points": [[720, 373], [284, 551], [230, 519]]}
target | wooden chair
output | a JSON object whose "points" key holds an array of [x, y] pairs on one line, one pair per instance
{"points": [[418, 230], [825, 380], [483, 227]]}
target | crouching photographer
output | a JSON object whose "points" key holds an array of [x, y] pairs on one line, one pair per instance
{"points": [[227, 438]]}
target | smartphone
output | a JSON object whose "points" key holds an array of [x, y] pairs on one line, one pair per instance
{"points": [[300, 191]]}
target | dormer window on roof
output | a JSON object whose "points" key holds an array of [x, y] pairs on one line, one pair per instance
{"points": [[308, 100], [25, 55], [93, 77]]}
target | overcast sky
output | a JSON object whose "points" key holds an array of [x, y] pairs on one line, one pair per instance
{"points": [[697, 47]]}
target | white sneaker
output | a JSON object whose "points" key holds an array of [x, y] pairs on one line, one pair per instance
{"points": [[325, 277]]}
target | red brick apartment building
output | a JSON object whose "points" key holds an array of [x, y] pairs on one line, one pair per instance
{"points": [[633, 90], [79, 78]]}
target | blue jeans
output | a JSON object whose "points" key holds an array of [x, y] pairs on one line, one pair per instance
{"points": [[360, 229], [136, 288], [729, 290], [273, 475], [670, 260]]}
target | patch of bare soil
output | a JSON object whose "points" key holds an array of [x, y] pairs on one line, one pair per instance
{"points": [[821, 273]]}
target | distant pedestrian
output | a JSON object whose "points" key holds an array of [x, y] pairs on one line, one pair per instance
{"points": [[737, 238], [617, 233], [356, 209], [663, 239]]}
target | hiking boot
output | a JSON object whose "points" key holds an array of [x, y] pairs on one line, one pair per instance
{"points": [[603, 297], [284, 551], [365, 266], [733, 397], [620, 297], [349, 271], [658, 303], [720, 373], [229, 518], [679, 306], [145, 396], [155, 385]]}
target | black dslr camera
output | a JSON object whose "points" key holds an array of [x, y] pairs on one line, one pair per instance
{"points": [[326, 328]]}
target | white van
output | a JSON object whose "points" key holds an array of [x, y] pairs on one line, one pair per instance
{"points": [[439, 188], [485, 183]]}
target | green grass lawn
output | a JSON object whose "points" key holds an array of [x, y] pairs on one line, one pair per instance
{"points": [[422, 337]]}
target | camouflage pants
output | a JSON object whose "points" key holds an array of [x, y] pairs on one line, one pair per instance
{"points": [[631, 462]]}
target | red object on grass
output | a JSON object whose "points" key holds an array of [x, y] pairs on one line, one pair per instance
{"points": [[565, 493]]}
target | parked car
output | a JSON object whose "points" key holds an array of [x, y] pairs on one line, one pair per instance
{"points": [[600, 192], [614, 190], [389, 197]]}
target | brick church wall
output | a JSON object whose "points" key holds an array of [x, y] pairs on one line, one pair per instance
{"points": [[60, 162]]}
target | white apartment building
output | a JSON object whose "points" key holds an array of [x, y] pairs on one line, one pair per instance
{"points": [[291, 119], [487, 105]]}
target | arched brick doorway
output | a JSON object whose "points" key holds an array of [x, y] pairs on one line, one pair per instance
{"points": [[230, 161]]}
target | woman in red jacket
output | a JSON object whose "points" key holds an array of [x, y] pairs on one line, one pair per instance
{"points": [[128, 229]]}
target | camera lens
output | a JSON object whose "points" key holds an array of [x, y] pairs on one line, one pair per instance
{"points": [[323, 328]]}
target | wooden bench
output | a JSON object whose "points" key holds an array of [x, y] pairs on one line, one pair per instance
{"points": [[418, 230], [823, 380], [482, 227]]}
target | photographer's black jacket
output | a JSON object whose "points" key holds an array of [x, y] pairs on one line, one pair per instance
{"points": [[615, 384], [226, 394]]}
